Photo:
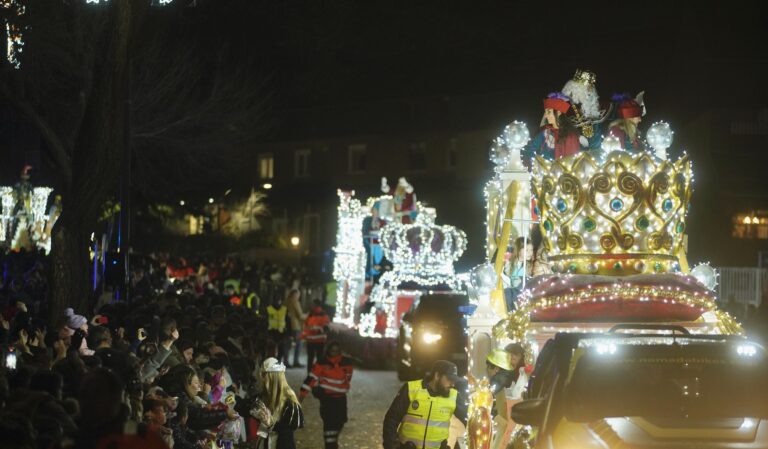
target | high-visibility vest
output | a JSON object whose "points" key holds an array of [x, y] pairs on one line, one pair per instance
{"points": [[331, 374], [330, 294], [314, 328], [277, 318], [428, 420]]}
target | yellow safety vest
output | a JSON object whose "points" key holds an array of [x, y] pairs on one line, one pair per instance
{"points": [[428, 420], [277, 318]]}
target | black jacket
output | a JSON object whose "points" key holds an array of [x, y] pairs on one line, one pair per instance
{"points": [[399, 408]]}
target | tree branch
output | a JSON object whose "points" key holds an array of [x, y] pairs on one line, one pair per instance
{"points": [[54, 146]]}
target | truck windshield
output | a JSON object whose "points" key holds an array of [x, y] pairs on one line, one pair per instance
{"points": [[687, 381]]}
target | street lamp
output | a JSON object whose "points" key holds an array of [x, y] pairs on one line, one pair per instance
{"points": [[210, 200], [295, 241], [267, 186], [181, 203]]}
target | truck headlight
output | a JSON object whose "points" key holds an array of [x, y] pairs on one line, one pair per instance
{"points": [[431, 337]]}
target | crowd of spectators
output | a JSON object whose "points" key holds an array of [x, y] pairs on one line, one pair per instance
{"points": [[185, 362]]}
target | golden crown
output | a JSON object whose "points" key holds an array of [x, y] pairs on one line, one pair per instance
{"points": [[585, 76], [617, 213]]}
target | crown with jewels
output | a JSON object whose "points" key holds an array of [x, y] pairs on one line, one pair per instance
{"points": [[617, 213], [585, 76], [423, 248]]}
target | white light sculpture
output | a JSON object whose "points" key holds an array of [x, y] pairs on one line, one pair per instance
{"points": [[422, 253], [7, 202], [659, 137], [24, 217], [349, 260]]}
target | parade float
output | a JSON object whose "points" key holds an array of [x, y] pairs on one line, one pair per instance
{"points": [[26, 220], [611, 209], [387, 254]]}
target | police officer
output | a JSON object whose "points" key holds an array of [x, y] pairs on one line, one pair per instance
{"points": [[420, 414]]}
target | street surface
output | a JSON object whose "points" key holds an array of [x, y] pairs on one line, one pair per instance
{"points": [[369, 397]]}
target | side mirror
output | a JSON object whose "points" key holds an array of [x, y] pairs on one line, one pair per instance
{"points": [[529, 412]]}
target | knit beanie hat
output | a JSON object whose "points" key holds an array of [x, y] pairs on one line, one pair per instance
{"points": [[74, 321]]}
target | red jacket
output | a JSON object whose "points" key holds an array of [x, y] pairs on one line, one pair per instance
{"points": [[331, 375], [314, 327]]}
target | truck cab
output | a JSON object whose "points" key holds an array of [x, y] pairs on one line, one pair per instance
{"points": [[434, 328]]}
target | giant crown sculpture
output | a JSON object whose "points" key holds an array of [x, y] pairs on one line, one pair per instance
{"points": [[617, 213], [423, 249]]}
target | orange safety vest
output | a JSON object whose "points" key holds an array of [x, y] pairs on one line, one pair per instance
{"points": [[314, 328], [331, 374]]}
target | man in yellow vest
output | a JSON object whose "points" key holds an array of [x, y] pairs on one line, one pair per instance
{"points": [[277, 313], [420, 414]]}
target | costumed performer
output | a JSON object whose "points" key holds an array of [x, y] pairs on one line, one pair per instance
{"points": [[404, 199], [629, 112], [557, 137]]}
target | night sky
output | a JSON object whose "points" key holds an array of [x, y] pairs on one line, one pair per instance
{"points": [[689, 57]]}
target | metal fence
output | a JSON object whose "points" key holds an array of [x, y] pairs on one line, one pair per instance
{"points": [[743, 285]]}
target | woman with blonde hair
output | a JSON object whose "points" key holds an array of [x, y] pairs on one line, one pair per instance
{"points": [[283, 405]]}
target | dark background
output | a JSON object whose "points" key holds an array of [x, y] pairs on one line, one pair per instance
{"points": [[703, 66]]}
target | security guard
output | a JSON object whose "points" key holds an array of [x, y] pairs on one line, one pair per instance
{"points": [[277, 313], [420, 414]]}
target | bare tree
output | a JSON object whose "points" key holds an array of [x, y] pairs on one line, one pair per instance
{"points": [[86, 71]]}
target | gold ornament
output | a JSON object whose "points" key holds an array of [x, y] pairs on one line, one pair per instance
{"points": [[621, 206]]}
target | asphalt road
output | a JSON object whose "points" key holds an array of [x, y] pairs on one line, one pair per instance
{"points": [[369, 397]]}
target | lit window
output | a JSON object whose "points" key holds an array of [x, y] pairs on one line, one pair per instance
{"points": [[266, 166], [301, 163], [357, 158], [750, 226]]}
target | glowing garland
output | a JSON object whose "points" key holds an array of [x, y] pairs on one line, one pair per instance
{"points": [[518, 323]]}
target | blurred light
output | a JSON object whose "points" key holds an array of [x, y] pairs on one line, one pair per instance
{"points": [[430, 337], [748, 423], [267, 186], [210, 200], [606, 348], [181, 203], [746, 350], [747, 220], [755, 220], [295, 241], [227, 192]]}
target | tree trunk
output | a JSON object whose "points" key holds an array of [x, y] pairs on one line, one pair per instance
{"points": [[70, 275], [98, 155]]}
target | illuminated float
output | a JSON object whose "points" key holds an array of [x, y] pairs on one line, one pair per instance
{"points": [[26, 220], [612, 220], [397, 231]]}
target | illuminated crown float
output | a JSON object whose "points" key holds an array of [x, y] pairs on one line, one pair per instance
{"points": [[615, 214], [422, 255], [613, 225], [423, 252]]}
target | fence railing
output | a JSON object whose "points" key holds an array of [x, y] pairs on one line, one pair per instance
{"points": [[744, 285]]}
